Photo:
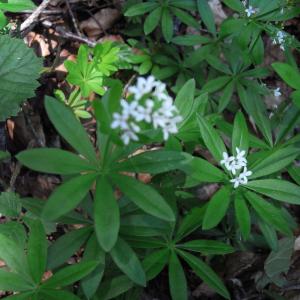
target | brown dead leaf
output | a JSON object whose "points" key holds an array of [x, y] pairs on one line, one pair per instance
{"points": [[100, 22]]}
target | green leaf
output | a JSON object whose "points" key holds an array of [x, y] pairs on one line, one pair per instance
{"points": [[240, 134], [37, 250], [197, 56], [203, 171], [3, 20], [279, 261], [10, 204], [4, 155], [152, 20], [106, 215], [235, 5], [167, 25], [84, 73], [277, 189], [185, 17], [205, 273], [215, 84], [206, 15], [50, 294], [269, 213], [296, 98], [140, 9], [154, 263], [274, 161], [14, 256], [17, 5], [143, 225], [190, 40], [65, 246], [242, 215], [254, 106], [184, 100], [144, 196], [20, 69], [207, 247], [114, 287], [91, 282], [13, 282], [70, 128], [15, 232], [289, 74], [21, 296], [191, 222], [269, 234], [211, 139], [217, 208], [126, 259], [70, 194], [70, 274], [177, 279], [226, 96], [154, 162], [54, 161]]}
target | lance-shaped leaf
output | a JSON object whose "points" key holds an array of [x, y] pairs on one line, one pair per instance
{"points": [[154, 162], [242, 215], [37, 250], [67, 196], [240, 134], [205, 273], [177, 279], [70, 128], [144, 196], [277, 189], [106, 215], [211, 139], [70, 274], [126, 259], [268, 213], [217, 208], [54, 161]]}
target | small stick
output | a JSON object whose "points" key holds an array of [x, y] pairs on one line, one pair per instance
{"points": [[34, 16], [69, 35], [73, 18]]}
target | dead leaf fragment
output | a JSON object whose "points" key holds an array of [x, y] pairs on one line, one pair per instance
{"points": [[100, 22]]}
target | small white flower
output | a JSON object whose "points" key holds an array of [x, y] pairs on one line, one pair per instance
{"points": [[243, 176], [244, 2], [144, 113], [129, 108], [250, 11], [277, 92], [227, 160], [236, 182], [127, 136], [240, 157], [143, 86], [119, 121]]}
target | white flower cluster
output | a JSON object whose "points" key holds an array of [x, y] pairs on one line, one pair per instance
{"points": [[150, 105], [280, 39], [234, 164]]}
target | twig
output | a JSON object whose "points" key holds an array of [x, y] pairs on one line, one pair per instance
{"points": [[73, 18], [29, 22], [69, 35]]}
